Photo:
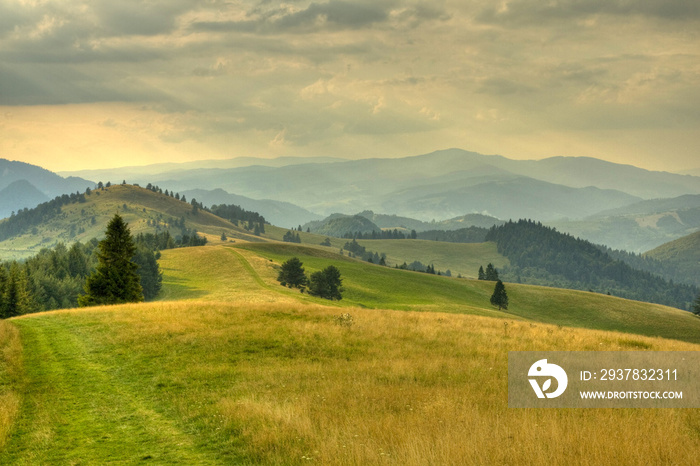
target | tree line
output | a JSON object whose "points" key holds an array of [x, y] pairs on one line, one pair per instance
{"points": [[543, 256], [462, 235]]}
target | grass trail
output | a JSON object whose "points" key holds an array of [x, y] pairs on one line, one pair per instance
{"points": [[78, 407]]}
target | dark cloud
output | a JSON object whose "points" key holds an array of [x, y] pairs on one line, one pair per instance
{"points": [[535, 12], [48, 85], [334, 15], [124, 18]]}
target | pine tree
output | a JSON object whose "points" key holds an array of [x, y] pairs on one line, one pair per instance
{"points": [[149, 271], [482, 275], [326, 283], [500, 297], [292, 274], [491, 273], [696, 306], [116, 279], [3, 288], [17, 298]]}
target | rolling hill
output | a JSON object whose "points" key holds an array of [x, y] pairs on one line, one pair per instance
{"points": [[144, 210], [229, 367]]}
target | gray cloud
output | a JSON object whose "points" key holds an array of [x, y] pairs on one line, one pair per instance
{"points": [[320, 73], [335, 15], [139, 18], [534, 12]]}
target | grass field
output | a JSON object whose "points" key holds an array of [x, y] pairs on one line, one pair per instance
{"points": [[232, 368], [459, 258]]}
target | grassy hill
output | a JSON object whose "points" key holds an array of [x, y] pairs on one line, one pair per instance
{"points": [[83, 221], [242, 370]]}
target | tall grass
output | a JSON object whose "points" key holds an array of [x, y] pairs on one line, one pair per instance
{"points": [[286, 384], [10, 377]]}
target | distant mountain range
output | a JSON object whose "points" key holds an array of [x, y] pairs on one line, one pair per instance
{"points": [[278, 213], [443, 184], [641, 226], [25, 185], [621, 206]]}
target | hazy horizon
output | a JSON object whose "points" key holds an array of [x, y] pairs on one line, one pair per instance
{"points": [[90, 85]]}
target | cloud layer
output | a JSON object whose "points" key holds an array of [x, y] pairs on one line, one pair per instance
{"points": [[175, 79]]}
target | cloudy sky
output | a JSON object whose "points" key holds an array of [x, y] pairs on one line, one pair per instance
{"points": [[103, 83]]}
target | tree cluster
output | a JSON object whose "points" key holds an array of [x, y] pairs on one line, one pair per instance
{"points": [[325, 283], [235, 214], [291, 237], [544, 256], [354, 249], [463, 235], [490, 274], [383, 234]]}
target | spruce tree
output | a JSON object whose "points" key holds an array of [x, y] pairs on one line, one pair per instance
{"points": [[292, 274], [696, 306], [326, 283], [491, 273], [500, 297], [482, 275], [149, 271], [17, 298], [115, 280]]}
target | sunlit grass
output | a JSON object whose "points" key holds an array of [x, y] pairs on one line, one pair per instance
{"points": [[285, 384], [241, 370]]}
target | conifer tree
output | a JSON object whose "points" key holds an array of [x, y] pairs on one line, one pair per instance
{"points": [[696, 306], [500, 297], [292, 274], [149, 271], [491, 273], [116, 279], [17, 300], [482, 275], [326, 283]]}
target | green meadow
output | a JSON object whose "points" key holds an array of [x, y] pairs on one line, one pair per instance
{"points": [[229, 367]]}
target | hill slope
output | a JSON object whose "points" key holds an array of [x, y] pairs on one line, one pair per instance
{"points": [[683, 255], [85, 218], [370, 286], [245, 371]]}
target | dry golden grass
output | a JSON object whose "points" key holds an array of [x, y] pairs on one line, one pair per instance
{"points": [[10, 375], [283, 383]]}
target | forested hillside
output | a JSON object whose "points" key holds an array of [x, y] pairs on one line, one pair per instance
{"points": [[542, 255]]}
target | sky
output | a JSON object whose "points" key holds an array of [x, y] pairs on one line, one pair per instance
{"points": [[104, 83]]}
